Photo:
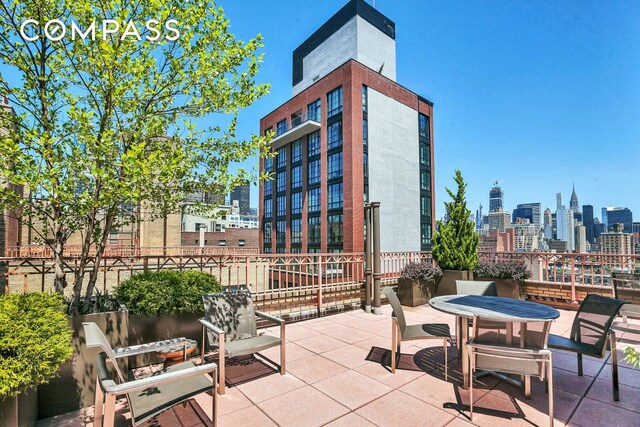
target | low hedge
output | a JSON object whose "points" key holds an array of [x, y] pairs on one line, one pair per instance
{"points": [[35, 339], [502, 270], [156, 293]]}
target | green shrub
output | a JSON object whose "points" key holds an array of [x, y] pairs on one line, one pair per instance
{"points": [[166, 292], [422, 270], [97, 303], [35, 339], [502, 270]]}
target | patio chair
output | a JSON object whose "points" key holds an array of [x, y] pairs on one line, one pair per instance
{"points": [[229, 324], [486, 288], [151, 395], [626, 281], [589, 332], [400, 331], [532, 360]]}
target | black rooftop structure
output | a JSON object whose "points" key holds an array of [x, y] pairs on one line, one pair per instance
{"points": [[338, 20]]}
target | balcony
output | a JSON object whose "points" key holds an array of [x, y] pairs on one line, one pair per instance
{"points": [[295, 129]]}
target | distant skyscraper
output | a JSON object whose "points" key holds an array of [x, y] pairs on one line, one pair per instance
{"points": [[573, 204], [587, 220], [598, 228], [496, 197], [558, 201], [565, 228], [612, 216], [242, 194], [548, 224], [479, 217], [580, 236], [536, 209]]}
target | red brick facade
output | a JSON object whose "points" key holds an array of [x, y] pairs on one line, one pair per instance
{"points": [[231, 236]]}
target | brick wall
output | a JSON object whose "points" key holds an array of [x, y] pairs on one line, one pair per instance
{"points": [[231, 236]]}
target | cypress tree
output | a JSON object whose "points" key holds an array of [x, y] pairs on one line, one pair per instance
{"points": [[455, 243]]}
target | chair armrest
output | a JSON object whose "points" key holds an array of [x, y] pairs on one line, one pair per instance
{"points": [[149, 347], [143, 383], [211, 327], [270, 318]]}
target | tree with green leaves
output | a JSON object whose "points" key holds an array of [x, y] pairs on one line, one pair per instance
{"points": [[134, 108], [455, 243]]}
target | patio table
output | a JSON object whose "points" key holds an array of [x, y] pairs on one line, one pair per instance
{"points": [[508, 310]]}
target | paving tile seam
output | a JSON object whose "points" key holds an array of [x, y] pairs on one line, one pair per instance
{"points": [[588, 389]]}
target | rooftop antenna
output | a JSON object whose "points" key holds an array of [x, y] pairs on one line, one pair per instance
{"points": [[374, 4]]}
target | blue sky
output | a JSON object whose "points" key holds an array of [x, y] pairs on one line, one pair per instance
{"points": [[536, 95]]}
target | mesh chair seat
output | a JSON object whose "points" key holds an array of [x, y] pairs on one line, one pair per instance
{"points": [[428, 330], [519, 361], [149, 402], [251, 345], [567, 344]]}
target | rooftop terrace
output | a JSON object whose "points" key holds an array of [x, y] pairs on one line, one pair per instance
{"points": [[338, 374]]}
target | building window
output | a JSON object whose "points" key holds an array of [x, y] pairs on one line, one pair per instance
{"points": [[313, 199], [334, 135], [281, 231], [425, 205], [425, 234], [281, 206], [295, 250], [296, 177], [334, 196], [334, 102], [365, 161], [424, 153], [281, 181], [268, 187], [281, 127], [313, 230], [282, 158], [425, 180], [365, 98], [222, 242], [268, 164], [334, 165], [423, 125], [365, 132], [266, 250], [314, 172], [279, 250], [296, 151], [267, 232], [313, 111], [296, 231], [241, 242], [313, 144], [335, 229], [267, 208], [296, 203]]}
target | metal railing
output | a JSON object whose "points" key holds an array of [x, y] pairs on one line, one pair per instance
{"points": [[296, 121], [71, 251]]}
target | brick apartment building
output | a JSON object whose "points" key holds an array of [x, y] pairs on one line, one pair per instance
{"points": [[350, 134]]}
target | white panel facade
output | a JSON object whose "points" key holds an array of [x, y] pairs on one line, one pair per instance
{"points": [[394, 171], [358, 40]]}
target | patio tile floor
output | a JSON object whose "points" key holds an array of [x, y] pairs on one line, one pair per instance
{"points": [[335, 376]]}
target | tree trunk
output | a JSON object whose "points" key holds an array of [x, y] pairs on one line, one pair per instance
{"points": [[60, 280], [100, 247]]}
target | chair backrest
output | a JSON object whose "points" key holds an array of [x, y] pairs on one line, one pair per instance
{"points": [[397, 307], [471, 287], [593, 321], [95, 338], [232, 312]]}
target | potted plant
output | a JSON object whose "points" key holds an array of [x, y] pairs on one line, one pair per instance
{"points": [[455, 243], [74, 386], [35, 339], [418, 282], [164, 304], [508, 277]]}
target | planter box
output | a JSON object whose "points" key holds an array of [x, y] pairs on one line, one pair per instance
{"points": [[74, 387], [448, 282], [507, 288], [20, 410], [157, 328], [415, 292]]}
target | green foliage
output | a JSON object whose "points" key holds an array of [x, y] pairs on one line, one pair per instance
{"points": [[97, 303], [632, 356], [422, 270], [455, 243], [35, 339], [166, 292], [502, 270], [109, 127]]}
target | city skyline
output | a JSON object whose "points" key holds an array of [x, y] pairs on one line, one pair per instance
{"points": [[577, 60]]}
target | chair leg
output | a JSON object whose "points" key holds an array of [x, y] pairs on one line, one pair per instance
{"points": [[394, 333], [283, 351], [109, 410], [221, 371], [549, 383], [214, 397], [97, 412], [446, 368], [614, 366], [580, 364], [471, 369]]}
